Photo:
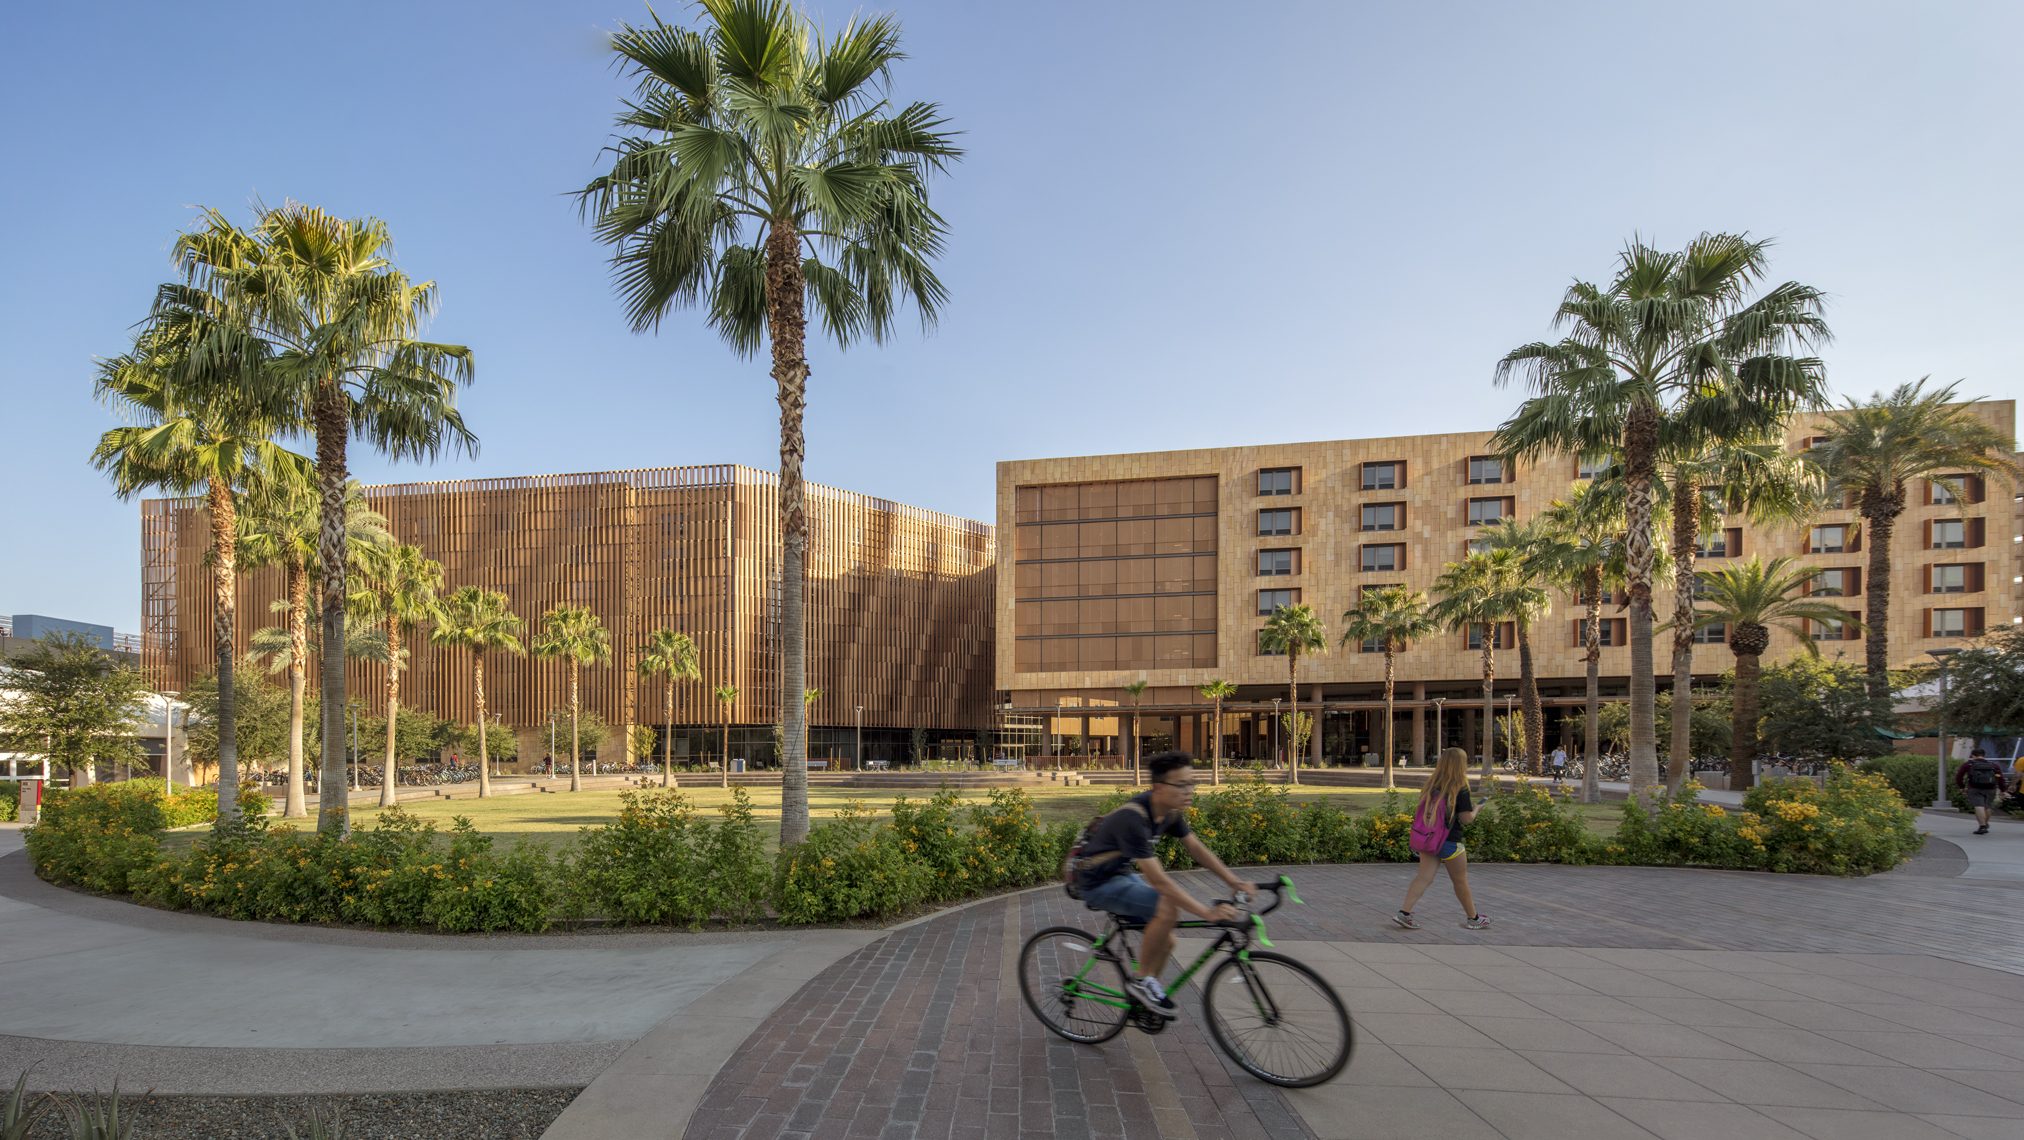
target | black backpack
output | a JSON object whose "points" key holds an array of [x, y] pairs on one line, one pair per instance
{"points": [[1076, 863], [1984, 774]]}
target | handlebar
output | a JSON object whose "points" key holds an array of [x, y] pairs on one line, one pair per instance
{"points": [[1281, 890]]}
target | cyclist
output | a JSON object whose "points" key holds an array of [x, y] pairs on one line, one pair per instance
{"points": [[1117, 871]]}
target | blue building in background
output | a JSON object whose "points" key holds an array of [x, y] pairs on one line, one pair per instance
{"points": [[28, 627]]}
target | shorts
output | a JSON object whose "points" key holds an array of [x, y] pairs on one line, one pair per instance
{"points": [[1982, 797], [1450, 849], [1127, 895]]}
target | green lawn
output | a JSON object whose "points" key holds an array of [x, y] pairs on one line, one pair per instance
{"points": [[554, 819]]}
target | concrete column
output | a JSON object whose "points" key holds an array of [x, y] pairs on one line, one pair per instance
{"points": [[1419, 723], [1314, 739], [1472, 733]]}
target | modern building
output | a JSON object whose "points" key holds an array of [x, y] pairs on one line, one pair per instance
{"points": [[898, 605], [20, 631], [1162, 567]]}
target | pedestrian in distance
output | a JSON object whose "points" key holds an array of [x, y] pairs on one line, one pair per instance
{"points": [[1443, 810], [1982, 779], [1559, 763]]}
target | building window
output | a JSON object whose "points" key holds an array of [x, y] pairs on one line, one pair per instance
{"points": [[1950, 623], [1275, 562], [1504, 636], [1384, 516], [1278, 480], [1949, 534], [1826, 629], [1717, 634], [1476, 546], [1829, 540], [1488, 469], [1382, 476], [1482, 512], [1942, 497], [1275, 522], [1271, 600], [1950, 580], [1714, 545], [1590, 468], [1833, 584], [1371, 645], [1384, 556], [1612, 631]]}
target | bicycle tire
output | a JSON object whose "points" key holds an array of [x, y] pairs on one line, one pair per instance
{"points": [[1298, 1004], [1051, 959]]}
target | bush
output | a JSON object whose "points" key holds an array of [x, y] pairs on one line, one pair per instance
{"points": [[194, 805], [1854, 824], [930, 832], [661, 862], [1910, 776], [1528, 825], [96, 837], [851, 867], [1008, 845], [1686, 832], [1385, 831], [10, 801]]}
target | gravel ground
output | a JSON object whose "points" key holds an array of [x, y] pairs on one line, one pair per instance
{"points": [[494, 1114]]}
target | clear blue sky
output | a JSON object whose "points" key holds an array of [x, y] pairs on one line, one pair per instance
{"points": [[1179, 224]]}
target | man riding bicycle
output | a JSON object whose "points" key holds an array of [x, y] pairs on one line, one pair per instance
{"points": [[1116, 871]]}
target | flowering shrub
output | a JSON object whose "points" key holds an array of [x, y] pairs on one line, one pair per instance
{"points": [[1385, 832], [850, 867], [931, 832], [1853, 824], [1528, 825], [1686, 832], [96, 837], [660, 861]]}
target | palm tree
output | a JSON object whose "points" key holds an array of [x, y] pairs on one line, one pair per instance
{"points": [[576, 634], [1588, 558], [765, 171], [399, 586], [1674, 335], [1535, 546], [1135, 690], [1478, 594], [1394, 617], [1749, 599], [672, 655], [278, 526], [1217, 691], [1873, 450], [1293, 630], [483, 621], [326, 329], [194, 428], [727, 695]]}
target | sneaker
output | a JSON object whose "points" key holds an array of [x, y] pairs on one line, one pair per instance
{"points": [[1480, 922], [1982, 830], [1151, 994], [1405, 921]]}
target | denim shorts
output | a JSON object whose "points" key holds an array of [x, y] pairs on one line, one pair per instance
{"points": [[1127, 894], [1450, 849]]}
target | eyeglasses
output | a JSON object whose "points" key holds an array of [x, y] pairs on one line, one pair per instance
{"points": [[1188, 785]]}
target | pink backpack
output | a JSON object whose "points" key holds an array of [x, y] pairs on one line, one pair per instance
{"points": [[1429, 834]]}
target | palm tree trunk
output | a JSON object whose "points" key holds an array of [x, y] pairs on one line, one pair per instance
{"points": [[668, 741], [1592, 638], [388, 797], [1292, 714], [484, 769], [1131, 747], [224, 619], [726, 774], [1528, 699], [1216, 748], [787, 326], [1490, 709], [1686, 535], [1389, 678], [1878, 512], [293, 804], [333, 811], [1640, 439], [575, 748], [1743, 722]]}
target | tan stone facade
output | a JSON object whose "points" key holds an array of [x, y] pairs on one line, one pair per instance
{"points": [[1103, 580]]}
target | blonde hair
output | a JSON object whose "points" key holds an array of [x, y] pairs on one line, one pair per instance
{"points": [[1451, 775]]}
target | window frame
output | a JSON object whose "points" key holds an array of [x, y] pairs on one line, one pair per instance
{"points": [[1292, 522], [1396, 466], [1398, 552], [1961, 544], [1398, 518], [1292, 598], [1500, 500], [1292, 563], [1813, 545], [1292, 475]]}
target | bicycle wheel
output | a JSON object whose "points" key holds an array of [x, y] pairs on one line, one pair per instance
{"points": [[1072, 988], [1280, 1021]]}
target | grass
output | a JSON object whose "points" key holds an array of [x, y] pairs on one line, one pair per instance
{"points": [[554, 820]]}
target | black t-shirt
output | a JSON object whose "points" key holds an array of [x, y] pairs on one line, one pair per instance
{"points": [[1462, 805], [1130, 830]]}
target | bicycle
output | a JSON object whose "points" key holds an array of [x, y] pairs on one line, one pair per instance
{"points": [[1074, 982]]}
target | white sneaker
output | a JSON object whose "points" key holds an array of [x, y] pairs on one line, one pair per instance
{"points": [[1153, 996]]}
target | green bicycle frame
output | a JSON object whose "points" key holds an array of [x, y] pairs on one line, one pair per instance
{"points": [[1080, 986]]}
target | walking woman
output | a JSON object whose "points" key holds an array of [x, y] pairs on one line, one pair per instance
{"points": [[1444, 807]]}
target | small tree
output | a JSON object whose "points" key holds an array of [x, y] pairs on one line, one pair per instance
{"points": [[1294, 631], [1217, 691], [575, 634], [1821, 709], [727, 696], [1136, 691], [1985, 685], [500, 743], [671, 655], [69, 700], [1299, 729], [1393, 617], [481, 621]]}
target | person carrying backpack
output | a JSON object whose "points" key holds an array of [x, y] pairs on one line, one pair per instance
{"points": [[1982, 779], [1437, 839]]}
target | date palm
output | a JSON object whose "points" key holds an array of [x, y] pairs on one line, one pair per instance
{"points": [[1749, 599], [1536, 547], [483, 622], [194, 428], [764, 171], [1217, 692], [1478, 594], [672, 655], [1294, 631], [1394, 617], [1873, 450], [401, 588], [576, 635], [1136, 691], [325, 328], [1674, 335], [727, 696]]}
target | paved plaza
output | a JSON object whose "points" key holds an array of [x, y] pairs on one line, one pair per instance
{"points": [[1605, 1002]]}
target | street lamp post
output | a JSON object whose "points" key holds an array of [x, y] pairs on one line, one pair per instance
{"points": [[1940, 758], [1439, 739], [1509, 751], [857, 757], [169, 742], [551, 744]]}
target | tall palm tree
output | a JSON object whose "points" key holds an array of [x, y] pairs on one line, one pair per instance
{"points": [[483, 622], [194, 428], [1673, 335], [400, 587], [1536, 548], [1873, 450], [1293, 630], [1394, 617], [672, 655], [1136, 691], [1477, 594], [1218, 692], [577, 635], [1588, 558], [326, 328], [764, 171], [1749, 599], [727, 696], [278, 526]]}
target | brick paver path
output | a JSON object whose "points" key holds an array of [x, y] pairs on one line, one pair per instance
{"points": [[1607, 1001]]}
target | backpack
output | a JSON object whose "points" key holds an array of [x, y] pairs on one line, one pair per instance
{"points": [[1984, 774], [1429, 834], [1076, 863]]}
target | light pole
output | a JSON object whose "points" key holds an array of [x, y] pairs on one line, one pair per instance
{"points": [[169, 742], [1439, 739], [1940, 759], [551, 744], [1276, 736], [857, 757]]}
